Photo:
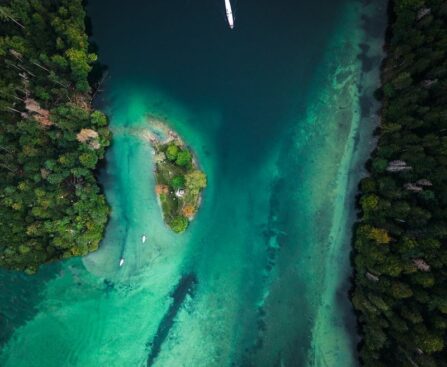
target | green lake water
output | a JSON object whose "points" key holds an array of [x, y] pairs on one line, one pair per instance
{"points": [[280, 115]]}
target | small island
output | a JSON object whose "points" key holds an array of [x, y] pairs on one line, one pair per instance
{"points": [[179, 181]]}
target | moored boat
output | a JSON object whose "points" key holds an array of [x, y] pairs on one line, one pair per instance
{"points": [[229, 12]]}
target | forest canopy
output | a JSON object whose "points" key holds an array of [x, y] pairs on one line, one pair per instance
{"points": [[400, 242], [51, 139]]}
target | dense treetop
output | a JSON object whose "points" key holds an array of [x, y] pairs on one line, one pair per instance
{"points": [[50, 138], [401, 240]]}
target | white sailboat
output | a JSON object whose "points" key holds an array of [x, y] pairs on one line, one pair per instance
{"points": [[143, 238], [122, 261], [229, 12]]}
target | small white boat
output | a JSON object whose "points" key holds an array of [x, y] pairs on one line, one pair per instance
{"points": [[229, 12], [143, 238], [122, 261]]}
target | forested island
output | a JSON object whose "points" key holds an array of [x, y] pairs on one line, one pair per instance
{"points": [[179, 181], [51, 139], [400, 242]]}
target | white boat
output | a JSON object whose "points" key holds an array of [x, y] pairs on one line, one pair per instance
{"points": [[229, 12], [122, 261], [143, 238]]}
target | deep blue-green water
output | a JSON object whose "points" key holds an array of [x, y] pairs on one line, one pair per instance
{"points": [[280, 115]]}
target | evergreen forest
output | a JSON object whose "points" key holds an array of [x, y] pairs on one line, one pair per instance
{"points": [[51, 139], [400, 241]]}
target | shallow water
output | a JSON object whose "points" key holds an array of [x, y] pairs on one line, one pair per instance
{"points": [[277, 115]]}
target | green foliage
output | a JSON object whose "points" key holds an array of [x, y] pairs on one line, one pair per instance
{"points": [[88, 159], [195, 180], [178, 182], [172, 152], [379, 235], [50, 204], [430, 343], [179, 224], [183, 158], [369, 203], [98, 118], [79, 62], [400, 260]]}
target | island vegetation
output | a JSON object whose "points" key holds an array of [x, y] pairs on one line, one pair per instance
{"points": [[179, 181], [51, 139], [400, 290]]}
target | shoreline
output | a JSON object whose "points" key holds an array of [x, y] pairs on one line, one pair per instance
{"points": [[356, 191], [344, 213]]}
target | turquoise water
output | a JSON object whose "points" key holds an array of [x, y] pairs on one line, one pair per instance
{"points": [[277, 115]]}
